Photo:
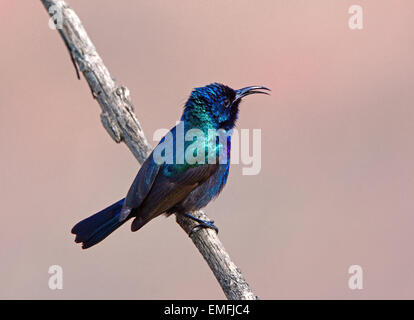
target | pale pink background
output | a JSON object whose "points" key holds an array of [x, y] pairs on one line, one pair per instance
{"points": [[337, 147]]}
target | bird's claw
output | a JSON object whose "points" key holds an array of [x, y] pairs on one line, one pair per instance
{"points": [[203, 225]]}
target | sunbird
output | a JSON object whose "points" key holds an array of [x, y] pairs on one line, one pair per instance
{"points": [[180, 185]]}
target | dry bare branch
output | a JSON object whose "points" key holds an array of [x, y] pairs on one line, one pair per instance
{"points": [[120, 122]]}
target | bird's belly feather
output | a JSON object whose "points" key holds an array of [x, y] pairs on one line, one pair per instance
{"points": [[205, 192]]}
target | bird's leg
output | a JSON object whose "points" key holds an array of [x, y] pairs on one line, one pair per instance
{"points": [[202, 224]]}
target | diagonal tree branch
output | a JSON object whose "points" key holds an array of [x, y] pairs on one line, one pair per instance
{"points": [[120, 122]]}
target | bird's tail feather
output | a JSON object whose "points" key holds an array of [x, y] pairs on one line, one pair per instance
{"points": [[97, 227]]}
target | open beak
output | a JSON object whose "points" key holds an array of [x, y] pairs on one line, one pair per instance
{"points": [[250, 90]]}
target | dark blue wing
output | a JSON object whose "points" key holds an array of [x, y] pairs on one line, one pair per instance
{"points": [[140, 187], [159, 187], [167, 192]]}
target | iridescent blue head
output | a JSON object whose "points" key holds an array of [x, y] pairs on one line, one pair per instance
{"points": [[216, 105]]}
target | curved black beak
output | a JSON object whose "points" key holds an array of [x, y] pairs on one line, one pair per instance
{"points": [[250, 90]]}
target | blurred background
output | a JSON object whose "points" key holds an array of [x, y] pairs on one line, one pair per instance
{"points": [[336, 183]]}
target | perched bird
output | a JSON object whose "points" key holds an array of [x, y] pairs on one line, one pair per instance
{"points": [[180, 185]]}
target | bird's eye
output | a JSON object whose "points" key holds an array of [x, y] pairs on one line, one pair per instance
{"points": [[226, 102]]}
